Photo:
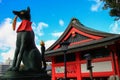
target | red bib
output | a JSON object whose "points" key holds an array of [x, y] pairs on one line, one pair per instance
{"points": [[25, 26]]}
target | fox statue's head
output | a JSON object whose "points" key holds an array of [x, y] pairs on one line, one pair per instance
{"points": [[23, 14]]}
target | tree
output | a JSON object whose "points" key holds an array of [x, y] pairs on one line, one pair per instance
{"points": [[114, 6]]}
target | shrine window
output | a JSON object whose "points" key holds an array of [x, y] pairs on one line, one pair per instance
{"points": [[69, 57], [95, 53]]}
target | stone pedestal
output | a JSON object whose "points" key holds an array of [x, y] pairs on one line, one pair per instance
{"points": [[25, 75]]}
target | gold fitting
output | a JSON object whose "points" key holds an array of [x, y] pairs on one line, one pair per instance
{"points": [[21, 12], [42, 43]]}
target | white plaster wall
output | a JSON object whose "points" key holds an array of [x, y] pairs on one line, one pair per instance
{"points": [[98, 67]]}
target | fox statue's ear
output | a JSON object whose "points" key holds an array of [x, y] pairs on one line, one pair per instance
{"points": [[28, 9]]}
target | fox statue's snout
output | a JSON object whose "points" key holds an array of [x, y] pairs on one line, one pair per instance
{"points": [[23, 14]]}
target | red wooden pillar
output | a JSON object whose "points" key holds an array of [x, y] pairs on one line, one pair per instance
{"points": [[53, 69], [114, 60], [118, 57], [78, 72]]}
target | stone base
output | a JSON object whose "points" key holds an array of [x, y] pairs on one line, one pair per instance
{"points": [[25, 75]]}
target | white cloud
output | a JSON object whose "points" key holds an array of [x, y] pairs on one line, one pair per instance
{"points": [[49, 43], [115, 27], [41, 25], [61, 22], [8, 54], [57, 34], [8, 37], [39, 28], [96, 6]]}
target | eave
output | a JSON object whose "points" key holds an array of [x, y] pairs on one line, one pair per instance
{"points": [[86, 46], [107, 39]]}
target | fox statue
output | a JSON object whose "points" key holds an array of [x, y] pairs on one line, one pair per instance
{"points": [[26, 50]]}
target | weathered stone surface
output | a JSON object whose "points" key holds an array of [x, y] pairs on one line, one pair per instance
{"points": [[25, 75]]}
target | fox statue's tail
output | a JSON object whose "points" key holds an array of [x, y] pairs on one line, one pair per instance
{"points": [[14, 22], [43, 54]]}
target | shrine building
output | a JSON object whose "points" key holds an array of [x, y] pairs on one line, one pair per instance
{"points": [[103, 47]]}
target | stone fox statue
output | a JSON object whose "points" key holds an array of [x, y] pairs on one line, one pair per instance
{"points": [[26, 50]]}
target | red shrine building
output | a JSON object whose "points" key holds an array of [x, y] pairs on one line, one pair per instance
{"points": [[103, 47]]}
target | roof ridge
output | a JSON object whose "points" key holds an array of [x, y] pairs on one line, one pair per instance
{"points": [[76, 22]]}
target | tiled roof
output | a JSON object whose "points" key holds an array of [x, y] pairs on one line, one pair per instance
{"points": [[107, 38]]}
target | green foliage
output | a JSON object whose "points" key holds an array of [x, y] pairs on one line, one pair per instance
{"points": [[114, 6]]}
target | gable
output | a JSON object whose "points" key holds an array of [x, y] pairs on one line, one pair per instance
{"points": [[77, 34], [75, 37]]}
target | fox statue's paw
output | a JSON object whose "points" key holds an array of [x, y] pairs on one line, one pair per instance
{"points": [[9, 69], [13, 69]]}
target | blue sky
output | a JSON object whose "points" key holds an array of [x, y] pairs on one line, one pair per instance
{"points": [[50, 18]]}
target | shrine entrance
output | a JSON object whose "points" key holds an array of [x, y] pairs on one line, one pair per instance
{"points": [[70, 61]]}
